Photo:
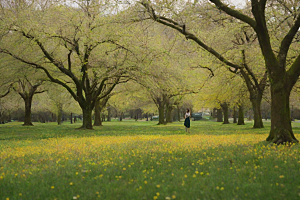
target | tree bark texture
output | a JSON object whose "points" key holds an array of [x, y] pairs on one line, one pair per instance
{"points": [[225, 111], [219, 115], [169, 109], [28, 103], [161, 111], [97, 121], [87, 118], [241, 120], [59, 116], [234, 115], [256, 105], [281, 127]]}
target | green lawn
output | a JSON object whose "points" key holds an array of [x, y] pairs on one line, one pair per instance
{"points": [[140, 160]]}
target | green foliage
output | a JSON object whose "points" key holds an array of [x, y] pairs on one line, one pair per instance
{"points": [[139, 160]]}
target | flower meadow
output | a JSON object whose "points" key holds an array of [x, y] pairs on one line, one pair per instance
{"points": [[140, 160]]}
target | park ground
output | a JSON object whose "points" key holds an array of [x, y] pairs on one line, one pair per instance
{"points": [[141, 160]]}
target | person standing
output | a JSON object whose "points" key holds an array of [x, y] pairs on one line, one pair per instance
{"points": [[187, 122]]}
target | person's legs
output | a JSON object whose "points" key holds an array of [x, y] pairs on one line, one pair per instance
{"points": [[189, 130]]}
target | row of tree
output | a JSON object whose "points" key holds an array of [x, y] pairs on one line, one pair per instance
{"points": [[204, 50]]}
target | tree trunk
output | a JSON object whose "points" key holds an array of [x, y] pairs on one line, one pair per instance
{"points": [[121, 116], [241, 120], [234, 115], [281, 127], [225, 111], [27, 119], [256, 104], [169, 109], [97, 121], [87, 118], [71, 118], [178, 113], [219, 115], [59, 116], [109, 114], [161, 111]]}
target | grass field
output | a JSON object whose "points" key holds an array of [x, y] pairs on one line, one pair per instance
{"points": [[140, 160]]}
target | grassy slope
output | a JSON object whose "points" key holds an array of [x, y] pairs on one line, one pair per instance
{"points": [[140, 160]]}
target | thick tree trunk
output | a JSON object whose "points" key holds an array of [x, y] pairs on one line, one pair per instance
{"points": [[234, 115], [27, 119], [225, 111], [97, 121], [71, 118], [281, 127], [161, 111], [87, 118], [256, 105], [241, 120], [219, 115]]}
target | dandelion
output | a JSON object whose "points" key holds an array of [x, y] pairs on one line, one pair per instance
{"points": [[281, 176], [158, 186], [71, 183], [52, 187], [173, 196], [145, 182]]}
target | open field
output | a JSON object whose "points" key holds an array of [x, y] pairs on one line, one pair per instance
{"points": [[140, 160]]}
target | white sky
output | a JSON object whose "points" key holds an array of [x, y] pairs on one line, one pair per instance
{"points": [[239, 3]]}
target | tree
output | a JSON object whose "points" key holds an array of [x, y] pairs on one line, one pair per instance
{"points": [[100, 104], [282, 74], [76, 47], [27, 89]]}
